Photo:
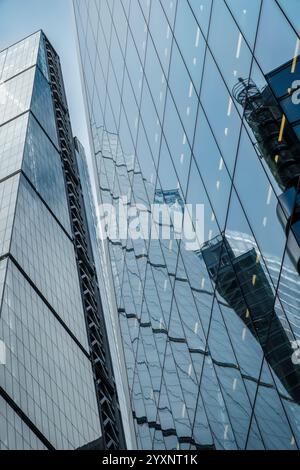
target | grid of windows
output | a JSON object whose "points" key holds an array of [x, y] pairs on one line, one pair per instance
{"points": [[54, 384], [164, 85], [12, 140], [8, 198], [42, 105], [42, 165], [53, 266], [19, 57], [15, 95], [3, 265], [14, 433]]}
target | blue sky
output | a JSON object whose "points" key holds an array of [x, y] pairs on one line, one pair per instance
{"points": [[19, 18]]}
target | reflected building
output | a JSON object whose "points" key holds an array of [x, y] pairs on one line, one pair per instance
{"points": [[273, 120], [57, 389], [208, 334], [242, 282]]}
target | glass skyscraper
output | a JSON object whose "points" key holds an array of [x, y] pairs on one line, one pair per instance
{"points": [[57, 388], [196, 101]]}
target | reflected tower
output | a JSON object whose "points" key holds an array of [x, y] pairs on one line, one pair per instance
{"points": [[242, 282], [278, 143]]}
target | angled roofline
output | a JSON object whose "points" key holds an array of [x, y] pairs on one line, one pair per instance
{"points": [[21, 40]]}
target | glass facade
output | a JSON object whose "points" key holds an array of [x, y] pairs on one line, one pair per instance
{"points": [[197, 102], [48, 396], [107, 299]]}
